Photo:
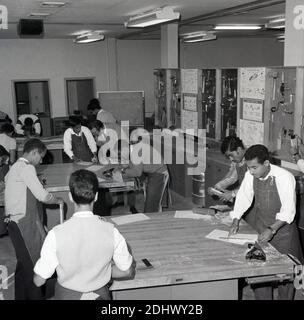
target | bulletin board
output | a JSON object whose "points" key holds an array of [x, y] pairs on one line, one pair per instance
{"points": [[124, 105]]}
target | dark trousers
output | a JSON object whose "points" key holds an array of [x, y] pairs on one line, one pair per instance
{"points": [[155, 186], [25, 289], [102, 207], [3, 228]]}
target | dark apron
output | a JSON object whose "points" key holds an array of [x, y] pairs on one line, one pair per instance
{"points": [[241, 170], [81, 148], [27, 236], [263, 214], [154, 189], [31, 227], [62, 293]]}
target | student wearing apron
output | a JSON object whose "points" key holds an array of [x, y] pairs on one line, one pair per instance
{"points": [[273, 212], [297, 156], [23, 191], [85, 251], [4, 167], [232, 147], [78, 142]]}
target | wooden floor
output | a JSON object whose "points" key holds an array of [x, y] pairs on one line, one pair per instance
{"points": [[7, 255]]}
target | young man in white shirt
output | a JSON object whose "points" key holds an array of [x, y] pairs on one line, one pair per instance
{"points": [[273, 190], [78, 142], [85, 251], [23, 194], [233, 148]]}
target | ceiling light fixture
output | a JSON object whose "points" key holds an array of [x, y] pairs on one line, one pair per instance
{"points": [[276, 23], [237, 27], [88, 37], [39, 14], [52, 4], [198, 36], [157, 16]]}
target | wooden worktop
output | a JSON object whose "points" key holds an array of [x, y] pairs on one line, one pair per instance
{"points": [[57, 176], [180, 253]]}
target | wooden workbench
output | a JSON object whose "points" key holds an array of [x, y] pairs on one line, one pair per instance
{"points": [[186, 264], [56, 180]]}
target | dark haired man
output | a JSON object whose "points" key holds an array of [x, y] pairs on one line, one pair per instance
{"points": [[78, 142], [22, 190], [85, 251], [233, 148], [273, 212]]}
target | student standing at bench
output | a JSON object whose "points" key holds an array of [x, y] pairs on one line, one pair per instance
{"points": [[78, 142], [4, 167], [232, 147], [273, 190], [23, 190], [85, 251], [28, 124]]}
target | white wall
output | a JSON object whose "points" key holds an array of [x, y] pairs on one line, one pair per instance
{"points": [[136, 61], [232, 52], [55, 60]]}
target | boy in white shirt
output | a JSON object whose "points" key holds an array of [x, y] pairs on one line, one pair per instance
{"points": [[78, 142], [85, 251]]}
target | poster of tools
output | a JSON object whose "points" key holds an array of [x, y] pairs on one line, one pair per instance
{"points": [[252, 83]]}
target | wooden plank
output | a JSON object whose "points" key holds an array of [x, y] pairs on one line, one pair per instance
{"points": [[180, 253]]}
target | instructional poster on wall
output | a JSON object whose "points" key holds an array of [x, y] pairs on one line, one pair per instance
{"points": [[253, 110], [252, 83], [189, 120], [189, 79], [190, 103], [251, 132]]}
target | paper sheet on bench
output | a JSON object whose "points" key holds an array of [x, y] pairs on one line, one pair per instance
{"points": [[239, 238], [83, 163], [130, 218], [94, 168], [190, 215]]}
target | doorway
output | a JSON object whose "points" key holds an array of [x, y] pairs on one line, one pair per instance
{"points": [[79, 93], [32, 97]]}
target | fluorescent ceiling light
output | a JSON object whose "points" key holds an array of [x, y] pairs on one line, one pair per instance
{"points": [[198, 37], [150, 18], [276, 23], [237, 27], [88, 37], [52, 4], [39, 14]]}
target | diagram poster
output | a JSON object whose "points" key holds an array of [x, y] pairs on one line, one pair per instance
{"points": [[251, 132], [252, 83], [253, 110], [189, 80]]}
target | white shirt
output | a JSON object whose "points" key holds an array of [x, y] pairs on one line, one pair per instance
{"points": [[7, 142], [48, 262], [105, 116], [300, 164], [285, 182], [67, 140], [22, 175], [20, 123]]}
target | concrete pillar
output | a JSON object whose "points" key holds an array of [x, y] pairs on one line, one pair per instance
{"points": [[112, 67], [169, 46]]}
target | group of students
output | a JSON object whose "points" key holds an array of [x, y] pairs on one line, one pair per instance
{"points": [[265, 196], [83, 141]]}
